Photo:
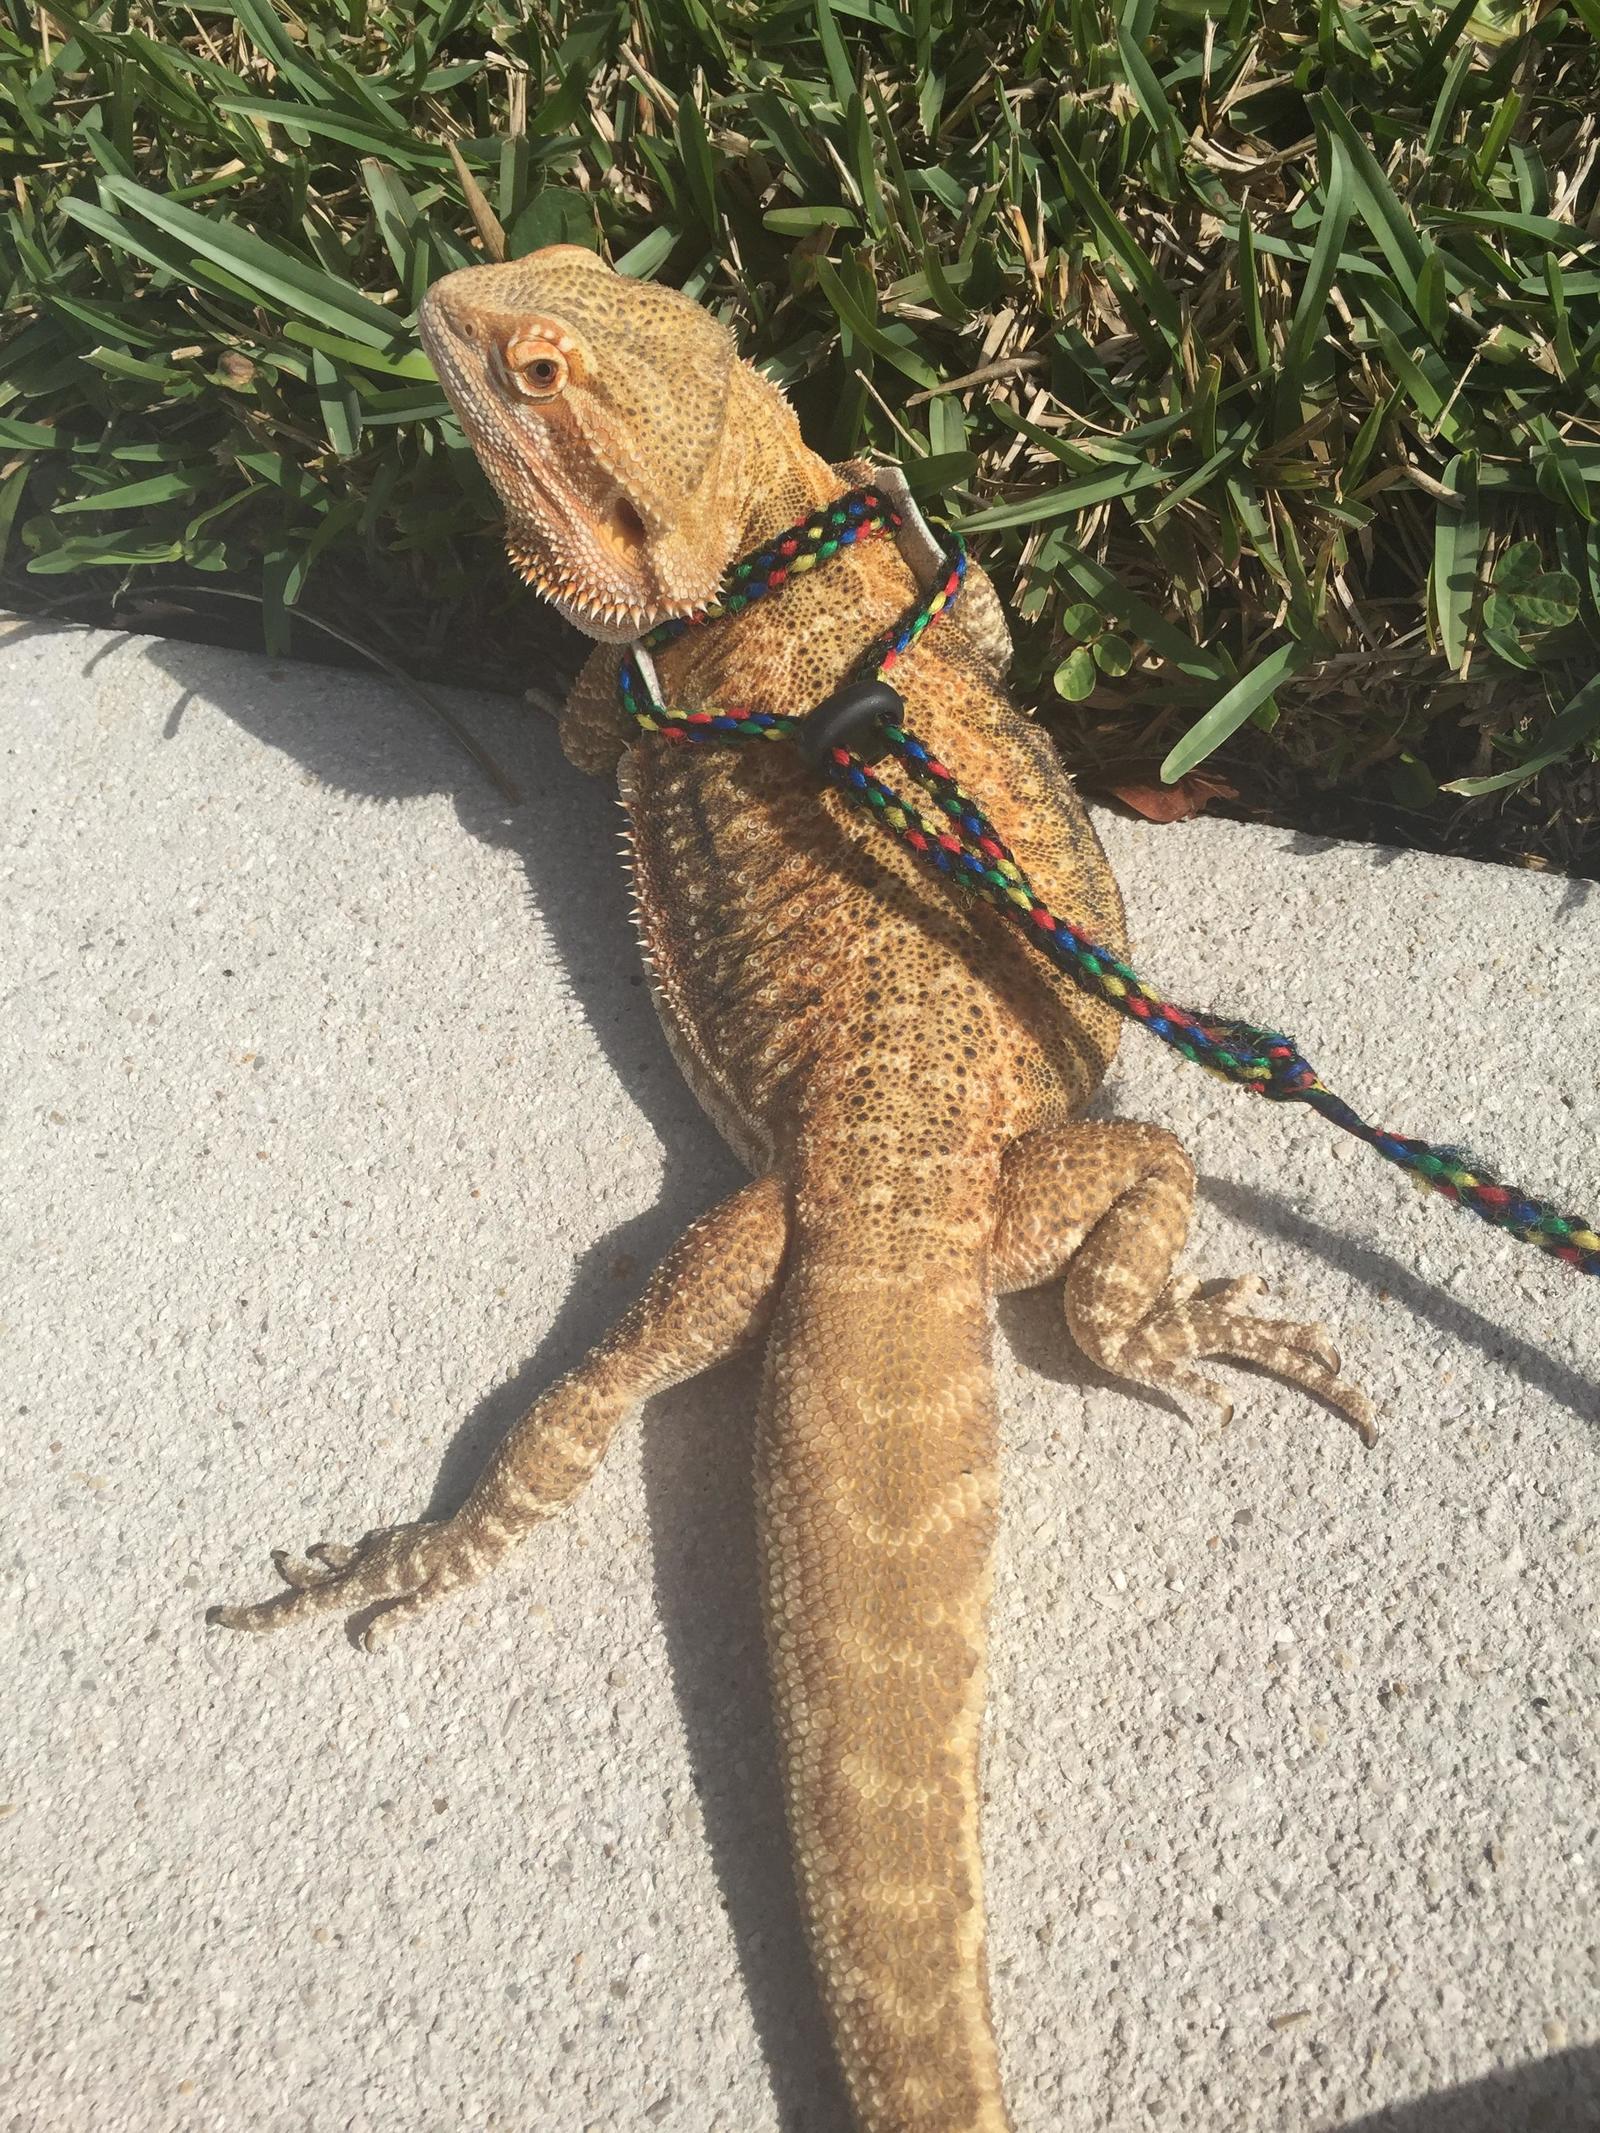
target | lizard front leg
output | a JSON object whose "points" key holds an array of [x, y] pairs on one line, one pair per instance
{"points": [[591, 726], [1107, 1203], [707, 1297]]}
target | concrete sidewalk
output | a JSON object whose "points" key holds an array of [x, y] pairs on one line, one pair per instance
{"points": [[338, 1120]]}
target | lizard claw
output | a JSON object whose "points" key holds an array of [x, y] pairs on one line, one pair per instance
{"points": [[297, 1570], [401, 1568], [1185, 1326], [1205, 1392], [336, 1555]]}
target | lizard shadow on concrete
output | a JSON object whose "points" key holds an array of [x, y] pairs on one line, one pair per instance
{"points": [[1034, 1326], [697, 1458], [364, 740], [1560, 2094], [1576, 897], [1411, 1293], [699, 1488]]}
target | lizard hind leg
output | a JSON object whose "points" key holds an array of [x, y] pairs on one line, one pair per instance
{"points": [[710, 1294], [1107, 1203]]}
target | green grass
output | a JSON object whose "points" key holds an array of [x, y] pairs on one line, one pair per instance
{"points": [[1284, 323]]}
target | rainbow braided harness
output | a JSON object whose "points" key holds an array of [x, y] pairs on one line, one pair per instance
{"points": [[859, 724]]}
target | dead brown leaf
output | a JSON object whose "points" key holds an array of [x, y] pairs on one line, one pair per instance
{"points": [[1172, 803]]}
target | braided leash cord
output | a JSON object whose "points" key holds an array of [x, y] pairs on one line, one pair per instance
{"points": [[964, 847]]}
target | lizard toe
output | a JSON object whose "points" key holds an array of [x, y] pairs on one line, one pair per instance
{"points": [[300, 1571], [335, 1555], [395, 1613], [1186, 1327], [1204, 1391], [393, 1563]]}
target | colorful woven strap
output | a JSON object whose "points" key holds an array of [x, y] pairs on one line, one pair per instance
{"points": [[957, 840]]}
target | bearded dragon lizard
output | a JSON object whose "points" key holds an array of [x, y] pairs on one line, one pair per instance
{"points": [[904, 1083]]}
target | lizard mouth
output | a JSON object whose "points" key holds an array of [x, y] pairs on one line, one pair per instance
{"points": [[623, 529], [595, 566]]}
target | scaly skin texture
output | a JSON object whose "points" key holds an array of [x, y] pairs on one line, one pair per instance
{"points": [[905, 1081]]}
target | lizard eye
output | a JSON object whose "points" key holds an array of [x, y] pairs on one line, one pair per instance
{"points": [[537, 368]]}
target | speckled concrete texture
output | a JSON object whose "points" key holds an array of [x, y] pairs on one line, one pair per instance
{"points": [[337, 1120]]}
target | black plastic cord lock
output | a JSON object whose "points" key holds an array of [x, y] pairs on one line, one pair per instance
{"points": [[852, 717]]}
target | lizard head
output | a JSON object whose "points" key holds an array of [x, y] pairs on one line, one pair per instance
{"points": [[596, 406]]}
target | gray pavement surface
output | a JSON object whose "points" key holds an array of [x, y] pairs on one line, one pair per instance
{"points": [[337, 1120]]}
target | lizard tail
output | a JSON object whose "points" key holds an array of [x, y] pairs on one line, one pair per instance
{"points": [[877, 1499]]}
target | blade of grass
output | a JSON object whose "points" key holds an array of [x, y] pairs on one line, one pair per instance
{"points": [[1311, 310], [1577, 722], [341, 411], [490, 229], [863, 159], [1444, 109], [1457, 550], [1151, 98], [806, 221], [300, 119], [12, 486], [867, 329], [1250, 297], [267, 34], [835, 58], [1227, 455], [261, 266], [413, 364], [1249, 693], [1114, 239], [653, 251], [98, 551], [1119, 482], [1374, 200], [133, 495], [694, 147]]}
